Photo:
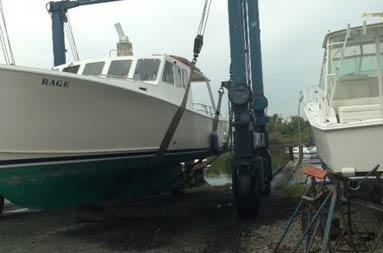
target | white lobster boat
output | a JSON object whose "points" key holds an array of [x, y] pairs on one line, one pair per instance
{"points": [[346, 109], [90, 131]]}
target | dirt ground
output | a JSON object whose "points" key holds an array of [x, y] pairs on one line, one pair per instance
{"points": [[199, 220]]}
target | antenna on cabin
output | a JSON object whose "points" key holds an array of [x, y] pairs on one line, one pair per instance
{"points": [[124, 46], [373, 15]]}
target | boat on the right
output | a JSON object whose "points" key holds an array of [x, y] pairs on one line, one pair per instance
{"points": [[346, 109], [308, 153]]}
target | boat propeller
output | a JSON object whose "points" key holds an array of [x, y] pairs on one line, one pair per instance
{"points": [[354, 185]]}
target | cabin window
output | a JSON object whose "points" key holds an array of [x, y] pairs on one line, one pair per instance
{"points": [[178, 76], [72, 69], [185, 78], [146, 70], [93, 69], [119, 68], [168, 76]]}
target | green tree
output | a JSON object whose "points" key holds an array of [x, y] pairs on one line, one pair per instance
{"points": [[286, 130]]}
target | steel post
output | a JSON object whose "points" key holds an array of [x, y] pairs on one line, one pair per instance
{"points": [[242, 135], [260, 103], [246, 96], [326, 236], [58, 10], [58, 35], [315, 217]]}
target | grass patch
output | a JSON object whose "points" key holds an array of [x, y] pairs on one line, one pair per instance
{"points": [[279, 157], [222, 164], [296, 190]]}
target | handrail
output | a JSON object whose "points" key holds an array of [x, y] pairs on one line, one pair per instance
{"points": [[315, 95], [207, 109], [334, 81]]}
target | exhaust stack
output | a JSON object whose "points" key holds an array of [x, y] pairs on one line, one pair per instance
{"points": [[124, 46]]}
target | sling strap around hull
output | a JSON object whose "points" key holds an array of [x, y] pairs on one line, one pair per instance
{"points": [[175, 120]]}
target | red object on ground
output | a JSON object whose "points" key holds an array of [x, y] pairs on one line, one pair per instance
{"points": [[312, 171]]}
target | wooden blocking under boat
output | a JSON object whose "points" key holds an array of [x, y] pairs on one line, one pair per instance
{"points": [[312, 171]]}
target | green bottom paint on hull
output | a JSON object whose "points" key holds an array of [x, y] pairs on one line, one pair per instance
{"points": [[66, 185]]}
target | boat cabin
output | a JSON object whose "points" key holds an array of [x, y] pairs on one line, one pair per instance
{"points": [[163, 75], [352, 70], [172, 70]]}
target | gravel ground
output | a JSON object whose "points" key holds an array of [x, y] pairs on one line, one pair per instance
{"points": [[199, 220]]}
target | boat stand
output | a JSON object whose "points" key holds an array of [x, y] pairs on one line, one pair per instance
{"points": [[326, 219]]}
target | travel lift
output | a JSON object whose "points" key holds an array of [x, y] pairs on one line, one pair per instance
{"points": [[251, 162]]}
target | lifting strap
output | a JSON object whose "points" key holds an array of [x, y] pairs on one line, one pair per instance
{"points": [[198, 43], [176, 119]]}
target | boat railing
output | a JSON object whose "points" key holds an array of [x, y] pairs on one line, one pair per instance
{"points": [[206, 109], [315, 96]]}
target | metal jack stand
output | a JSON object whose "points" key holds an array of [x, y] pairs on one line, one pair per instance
{"points": [[321, 229]]}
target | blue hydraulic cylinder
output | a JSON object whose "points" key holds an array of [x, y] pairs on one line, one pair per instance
{"points": [[58, 12], [260, 102], [58, 37], [246, 74], [237, 42], [238, 33], [255, 48]]}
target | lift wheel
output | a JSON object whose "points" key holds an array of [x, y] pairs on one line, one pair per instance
{"points": [[247, 193]]}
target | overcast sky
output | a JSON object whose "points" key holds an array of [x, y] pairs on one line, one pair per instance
{"points": [[292, 34]]}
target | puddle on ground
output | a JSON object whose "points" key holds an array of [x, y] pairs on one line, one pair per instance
{"points": [[218, 180]]}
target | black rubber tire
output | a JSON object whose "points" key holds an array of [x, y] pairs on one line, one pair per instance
{"points": [[267, 191], [247, 194], [2, 200]]}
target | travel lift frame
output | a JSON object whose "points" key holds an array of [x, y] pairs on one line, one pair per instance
{"points": [[58, 11], [251, 162]]}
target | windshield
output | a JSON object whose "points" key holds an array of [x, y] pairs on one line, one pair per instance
{"points": [[146, 70], [358, 60], [93, 69], [72, 69], [354, 69], [119, 68]]}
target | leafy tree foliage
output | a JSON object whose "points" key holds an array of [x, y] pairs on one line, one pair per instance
{"points": [[286, 130]]}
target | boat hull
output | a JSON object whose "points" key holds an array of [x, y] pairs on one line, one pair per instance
{"points": [[77, 181], [68, 140], [90, 115], [350, 149]]}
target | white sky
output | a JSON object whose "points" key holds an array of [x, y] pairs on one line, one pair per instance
{"points": [[292, 34]]}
